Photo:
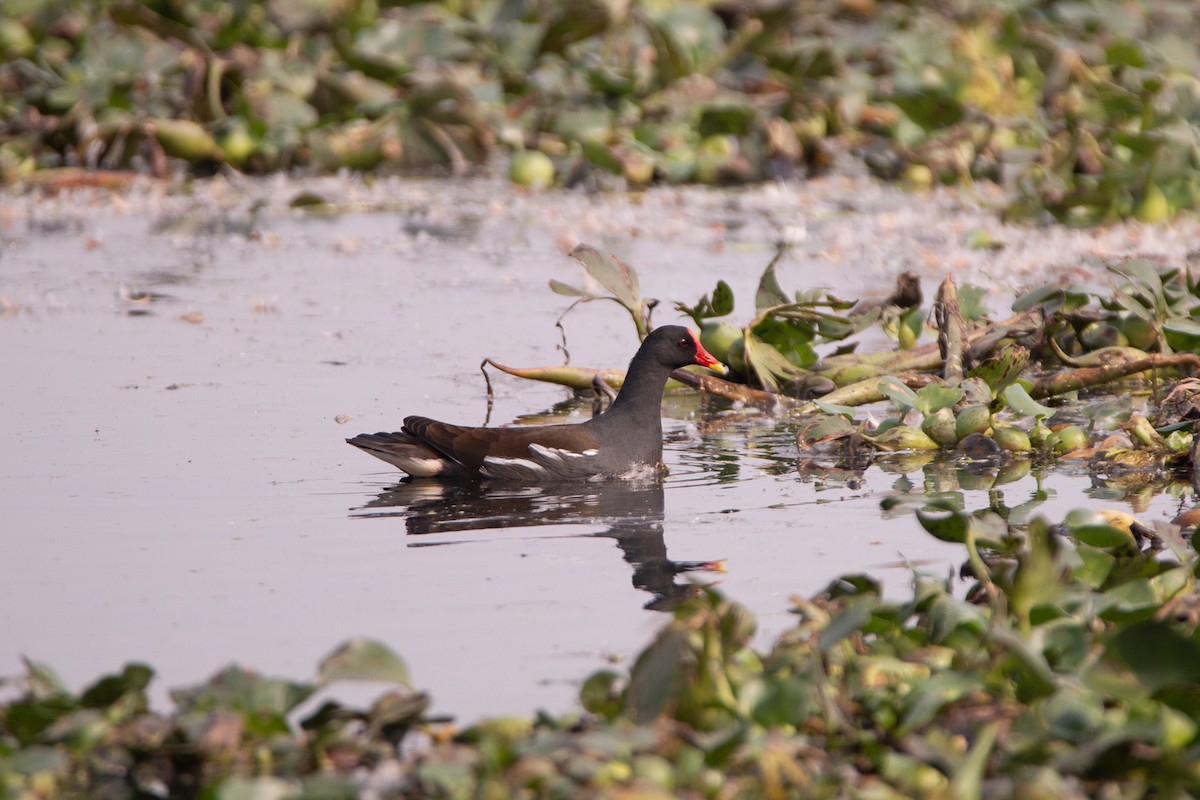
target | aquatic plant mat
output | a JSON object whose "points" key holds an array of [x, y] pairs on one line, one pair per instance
{"points": [[1064, 663], [1084, 112]]}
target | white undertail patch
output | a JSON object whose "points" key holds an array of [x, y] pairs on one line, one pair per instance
{"points": [[418, 467]]}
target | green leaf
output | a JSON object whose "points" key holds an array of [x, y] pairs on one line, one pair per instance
{"points": [[1179, 442], [1002, 368], [1037, 579], [1093, 528], [34, 760], [1187, 325], [243, 690], [659, 676], [1026, 666], [832, 426], [1017, 398], [264, 788], [834, 408], [856, 614], [769, 293], [786, 702], [108, 690], [1134, 304], [1142, 272], [1158, 655], [599, 694], [914, 320], [1183, 335], [722, 300], [671, 61], [327, 787], [450, 779], [1132, 597], [588, 125], [558, 287], [971, 301], [968, 778], [790, 336], [611, 273], [948, 527], [899, 393], [1125, 53], [725, 117], [1052, 298], [935, 397], [696, 33], [1097, 565], [930, 696], [980, 238], [26, 720], [601, 155], [768, 364], [837, 328], [43, 681], [1073, 715], [364, 660], [929, 106]]}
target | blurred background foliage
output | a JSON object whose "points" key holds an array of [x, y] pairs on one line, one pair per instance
{"points": [[1085, 110]]}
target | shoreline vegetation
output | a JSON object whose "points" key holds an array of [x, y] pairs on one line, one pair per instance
{"points": [[1068, 669], [1085, 112]]}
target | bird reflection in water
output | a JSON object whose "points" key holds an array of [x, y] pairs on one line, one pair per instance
{"points": [[631, 513]]}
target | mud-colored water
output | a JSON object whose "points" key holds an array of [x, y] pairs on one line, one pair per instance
{"points": [[180, 371]]}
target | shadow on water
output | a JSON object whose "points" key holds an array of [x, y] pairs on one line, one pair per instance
{"points": [[631, 514]]}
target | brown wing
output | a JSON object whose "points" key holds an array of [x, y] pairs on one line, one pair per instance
{"points": [[472, 446]]}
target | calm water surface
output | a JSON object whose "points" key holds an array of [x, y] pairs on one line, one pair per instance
{"points": [[180, 374]]}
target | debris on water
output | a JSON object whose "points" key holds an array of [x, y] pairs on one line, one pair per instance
{"points": [[140, 296], [307, 200]]}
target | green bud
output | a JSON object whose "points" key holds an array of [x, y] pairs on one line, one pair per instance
{"points": [[975, 418], [531, 168], [1012, 439], [1068, 439], [941, 427], [903, 438]]}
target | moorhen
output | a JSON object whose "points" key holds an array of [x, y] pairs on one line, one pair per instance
{"points": [[625, 440]]}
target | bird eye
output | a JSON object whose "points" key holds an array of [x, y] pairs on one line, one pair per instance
{"points": [[683, 344]]}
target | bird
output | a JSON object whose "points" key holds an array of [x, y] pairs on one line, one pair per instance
{"points": [[623, 442]]}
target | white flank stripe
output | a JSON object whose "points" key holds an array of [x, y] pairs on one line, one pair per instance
{"points": [[558, 453], [509, 463]]}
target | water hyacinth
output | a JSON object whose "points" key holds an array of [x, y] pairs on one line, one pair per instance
{"points": [[941, 426], [1012, 438], [1078, 116], [976, 694], [975, 418]]}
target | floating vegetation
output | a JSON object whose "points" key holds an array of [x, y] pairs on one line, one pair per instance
{"points": [[1068, 668], [1085, 112], [985, 391]]}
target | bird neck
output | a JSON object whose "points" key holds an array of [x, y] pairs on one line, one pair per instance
{"points": [[642, 391]]}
